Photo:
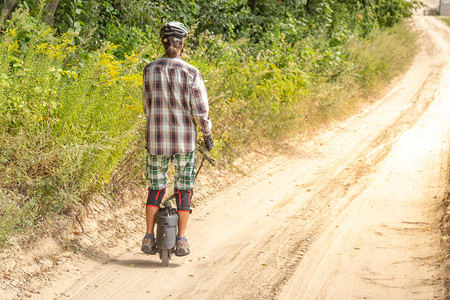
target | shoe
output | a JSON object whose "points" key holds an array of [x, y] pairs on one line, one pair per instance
{"points": [[182, 248], [148, 246]]}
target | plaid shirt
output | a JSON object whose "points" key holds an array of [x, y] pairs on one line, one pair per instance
{"points": [[174, 97]]}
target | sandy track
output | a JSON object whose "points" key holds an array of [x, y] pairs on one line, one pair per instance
{"points": [[352, 214]]}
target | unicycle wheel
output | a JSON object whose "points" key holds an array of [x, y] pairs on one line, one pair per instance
{"points": [[165, 257]]}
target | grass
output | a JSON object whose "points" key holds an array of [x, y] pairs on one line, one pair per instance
{"points": [[446, 20]]}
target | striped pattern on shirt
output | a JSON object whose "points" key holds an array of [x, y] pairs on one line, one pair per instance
{"points": [[175, 99]]}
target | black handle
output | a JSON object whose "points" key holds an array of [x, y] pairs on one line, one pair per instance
{"points": [[206, 154]]}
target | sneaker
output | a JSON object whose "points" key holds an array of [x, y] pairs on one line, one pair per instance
{"points": [[148, 246], [182, 248]]}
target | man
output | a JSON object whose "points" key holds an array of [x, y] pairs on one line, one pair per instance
{"points": [[174, 99]]}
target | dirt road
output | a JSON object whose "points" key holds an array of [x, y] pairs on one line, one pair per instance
{"points": [[353, 214]]}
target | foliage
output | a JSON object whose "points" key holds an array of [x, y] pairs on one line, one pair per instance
{"points": [[134, 23], [65, 123], [70, 95], [446, 20], [291, 86]]}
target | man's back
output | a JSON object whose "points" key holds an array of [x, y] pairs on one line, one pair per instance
{"points": [[173, 93]]}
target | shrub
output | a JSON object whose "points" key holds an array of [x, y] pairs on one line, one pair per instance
{"points": [[66, 122]]}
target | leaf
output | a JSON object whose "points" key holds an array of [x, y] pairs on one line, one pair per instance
{"points": [[69, 17]]}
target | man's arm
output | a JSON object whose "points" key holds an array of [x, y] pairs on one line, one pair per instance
{"points": [[146, 105], [145, 99], [200, 106]]}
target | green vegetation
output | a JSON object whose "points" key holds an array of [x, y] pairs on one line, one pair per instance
{"points": [[446, 20], [70, 92], [65, 123]]}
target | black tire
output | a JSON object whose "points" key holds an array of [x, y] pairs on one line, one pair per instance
{"points": [[165, 257]]}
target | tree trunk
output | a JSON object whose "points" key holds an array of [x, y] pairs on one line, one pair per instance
{"points": [[7, 9], [252, 4], [309, 7], [50, 11]]}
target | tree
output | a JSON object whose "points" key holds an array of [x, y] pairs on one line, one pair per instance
{"points": [[50, 10], [7, 9]]}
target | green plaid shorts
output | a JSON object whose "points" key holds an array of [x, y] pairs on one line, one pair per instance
{"points": [[158, 166]]}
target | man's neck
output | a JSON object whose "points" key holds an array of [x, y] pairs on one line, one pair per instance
{"points": [[178, 56]]}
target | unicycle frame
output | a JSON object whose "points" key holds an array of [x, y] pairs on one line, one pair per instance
{"points": [[166, 219]]}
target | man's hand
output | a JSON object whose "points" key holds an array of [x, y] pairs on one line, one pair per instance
{"points": [[208, 142]]}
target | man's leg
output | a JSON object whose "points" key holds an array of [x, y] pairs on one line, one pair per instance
{"points": [[153, 202], [183, 199], [184, 181], [156, 172], [149, 242], [150, 212], [183, 218]]}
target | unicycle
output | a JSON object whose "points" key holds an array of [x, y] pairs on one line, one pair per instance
{"points": [[167, 228], [166, 218]]}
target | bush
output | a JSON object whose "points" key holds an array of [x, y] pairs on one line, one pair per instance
{"points": [[66, 122]]}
